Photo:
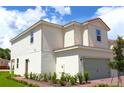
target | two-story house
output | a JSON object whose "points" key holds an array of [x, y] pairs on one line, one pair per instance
{"points": [[71, 48]]}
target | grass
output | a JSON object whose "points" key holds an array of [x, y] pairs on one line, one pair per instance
{"points": [[4, 82]]}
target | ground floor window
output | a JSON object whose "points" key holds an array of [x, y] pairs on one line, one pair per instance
{"points": [[17, 65]]}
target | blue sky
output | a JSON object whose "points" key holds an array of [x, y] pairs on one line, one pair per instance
{"points": [[77, 13], [15, 19]]}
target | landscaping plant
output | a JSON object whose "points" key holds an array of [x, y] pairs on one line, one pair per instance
{"points": [[72, 80], [53, 78], [49, 76], [67, 77], [26, 75], [40, 77], [34, 76], [37, 77], [45, 77], [86, 77], [75, 78], [102, 85], [31, 75], [62, 80], [80, 77]]}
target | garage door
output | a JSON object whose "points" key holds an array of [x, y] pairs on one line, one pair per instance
{"points": [[97, 68]]}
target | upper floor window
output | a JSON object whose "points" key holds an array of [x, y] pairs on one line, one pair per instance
{"points": [[31, 37], [17, 65], [98, 35]]}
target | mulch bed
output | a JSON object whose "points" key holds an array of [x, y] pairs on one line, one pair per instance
{"points": [[91, 83]]}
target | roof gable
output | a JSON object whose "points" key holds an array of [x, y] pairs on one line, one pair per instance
{"points": [[97, 20]]}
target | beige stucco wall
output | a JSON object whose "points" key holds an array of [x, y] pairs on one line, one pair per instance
{"points": [[48, 38], [34, 64], [23, 49], [69, 38], [22, 46], [85, 35], [77, 35], [92, 36], [52, 39], [67, 64], [81, 53]]}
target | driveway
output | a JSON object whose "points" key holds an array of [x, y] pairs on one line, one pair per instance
{"points": [[108, 81]]}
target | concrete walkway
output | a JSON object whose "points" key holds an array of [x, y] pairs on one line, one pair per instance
{"points": [[91, 83], [6, 70]]}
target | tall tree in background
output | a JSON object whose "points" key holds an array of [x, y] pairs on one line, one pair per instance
{"points": [[5, 53], [118, 60]]}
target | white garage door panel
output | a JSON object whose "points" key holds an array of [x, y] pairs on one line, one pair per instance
{"points": [[97, 68]]}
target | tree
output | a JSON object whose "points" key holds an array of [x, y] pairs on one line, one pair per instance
{"points": [[5, 53], [2, 55], [118, 60]]}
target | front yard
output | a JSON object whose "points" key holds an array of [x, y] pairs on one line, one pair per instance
{"points": [[4, 82], [23, 82]]}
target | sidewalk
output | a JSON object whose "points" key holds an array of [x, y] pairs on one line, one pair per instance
{"points": [[6, 70]]}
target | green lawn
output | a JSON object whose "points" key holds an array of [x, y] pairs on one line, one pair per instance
{"points": [[4, 82]]}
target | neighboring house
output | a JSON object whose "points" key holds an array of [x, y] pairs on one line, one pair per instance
{"points": [[75, 47], [4, 64]]}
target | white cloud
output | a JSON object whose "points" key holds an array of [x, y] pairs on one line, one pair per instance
{"points": [[46, 19], [62, 10], [13, 22], [54, 19], [114, 18]]}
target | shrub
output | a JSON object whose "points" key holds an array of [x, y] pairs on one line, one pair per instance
{"points": [[63, 77], [53, 78], [40, 77], [75, 78], [34, 76], [49, 76], [62, 80], [62, 83], [80, 78], [72, 80], [67, 77], [86, 76], [32, 85], [26, 75], [45, 77], [102, 85], [31, 75]]}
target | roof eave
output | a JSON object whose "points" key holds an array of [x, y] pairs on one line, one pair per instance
{"points": [[34, 25]]}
